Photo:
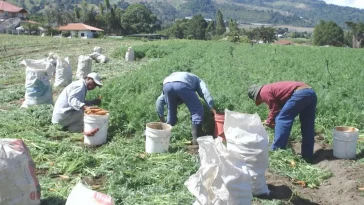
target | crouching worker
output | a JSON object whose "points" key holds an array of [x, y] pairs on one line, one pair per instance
{"points": [[179, 88], [70, 105], [286, 100]]}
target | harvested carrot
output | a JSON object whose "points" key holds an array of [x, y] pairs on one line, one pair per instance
{"points": [[302, 183], [95, 111], [101, 113], [361, 189]]}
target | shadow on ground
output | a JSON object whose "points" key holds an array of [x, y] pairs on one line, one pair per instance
{"points": [[323, 154], [53, 201], [284, 193]]}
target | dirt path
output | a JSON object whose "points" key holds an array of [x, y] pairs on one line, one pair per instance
{"points": [[341, 188]]}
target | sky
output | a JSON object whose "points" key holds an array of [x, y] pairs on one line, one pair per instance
{"points": [[352, 3]]}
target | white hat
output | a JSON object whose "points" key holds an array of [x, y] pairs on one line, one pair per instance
{"points": [[95, 77]]}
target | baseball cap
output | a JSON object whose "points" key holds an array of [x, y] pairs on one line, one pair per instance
{"points": [[253, 92], [96, 78]]}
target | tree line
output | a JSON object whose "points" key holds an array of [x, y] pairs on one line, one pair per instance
{"points": [[113, 19], [138, 18], [329, 33]]}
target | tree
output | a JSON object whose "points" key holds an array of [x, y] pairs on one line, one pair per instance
{"points": [[220, 25], [210, 30], [267, 35], [328, 33], [357, 31], [101, 8], [77, 13], [234, 30], [107, 4], [197, 27], [178, 29], [137, 19]]}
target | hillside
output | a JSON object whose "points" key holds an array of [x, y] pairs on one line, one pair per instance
{"points": [[288, 12]]}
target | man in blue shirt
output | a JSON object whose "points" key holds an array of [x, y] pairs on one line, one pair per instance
{"points": [[70, 105], [179, 88]]}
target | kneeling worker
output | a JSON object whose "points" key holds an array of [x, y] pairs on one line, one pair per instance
{"points": [[286, 100], [179, 88], [70, 105]]}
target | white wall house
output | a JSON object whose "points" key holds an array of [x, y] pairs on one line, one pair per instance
{"points": [[80, 29], [83, 34]]}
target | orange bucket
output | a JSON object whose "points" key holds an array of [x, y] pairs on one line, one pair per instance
{"points": [[219, 125]]}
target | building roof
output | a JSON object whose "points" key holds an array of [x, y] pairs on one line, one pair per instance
{"points": [[5, 6], [78, 27], [284, 42], [146, 35]]}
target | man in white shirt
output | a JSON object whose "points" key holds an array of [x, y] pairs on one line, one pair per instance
{"points": [[70, 105]]}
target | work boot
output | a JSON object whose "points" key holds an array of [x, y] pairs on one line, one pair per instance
{"points": [[196, 133]]}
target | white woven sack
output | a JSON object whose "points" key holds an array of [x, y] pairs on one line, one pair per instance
{"points": [[63, 73], [81, 195], [18, 181], [37, 86], [84, 66], [129, 55], [102, 59], [97, 49], [246, 135], [222, 179]]}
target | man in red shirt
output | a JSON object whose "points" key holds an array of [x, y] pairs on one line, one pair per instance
{"points": [[286, 100]]}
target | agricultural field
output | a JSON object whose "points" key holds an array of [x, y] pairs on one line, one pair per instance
{"points": [[123, 170]]}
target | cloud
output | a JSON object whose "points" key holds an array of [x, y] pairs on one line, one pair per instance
{"points": [[352, 3]]}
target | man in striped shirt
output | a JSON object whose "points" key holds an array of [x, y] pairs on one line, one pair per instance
{"points": [[286, 100]]}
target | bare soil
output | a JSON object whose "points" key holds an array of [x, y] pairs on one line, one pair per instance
{"points": [[341, 188]]}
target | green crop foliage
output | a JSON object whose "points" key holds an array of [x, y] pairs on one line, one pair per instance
{"points": [[121, 168]]}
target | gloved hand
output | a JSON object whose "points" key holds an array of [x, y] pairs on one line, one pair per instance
{"points": [[96, 102]]}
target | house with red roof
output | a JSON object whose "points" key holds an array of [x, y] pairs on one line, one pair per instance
{"points": [[8, 10], [79, 29]]}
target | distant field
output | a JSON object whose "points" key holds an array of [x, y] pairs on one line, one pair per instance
{"points": [[290, 28], [122, 169]]}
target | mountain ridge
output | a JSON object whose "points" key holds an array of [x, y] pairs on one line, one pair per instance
{"points": [[306, 13]]}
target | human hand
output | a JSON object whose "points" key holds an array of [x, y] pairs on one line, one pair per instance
{"points": [[270, 125], [213, 111]]}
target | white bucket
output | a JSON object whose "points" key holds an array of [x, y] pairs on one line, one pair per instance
{"points": [[81, 195], [345, 139], [92, 122], [157, 137]]}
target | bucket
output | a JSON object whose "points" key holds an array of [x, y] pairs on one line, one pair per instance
{"points": [[219, 125], [157, 137], [80, 195], [92, 123], [345, 139]]}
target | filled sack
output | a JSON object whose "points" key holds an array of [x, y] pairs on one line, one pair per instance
{"points": [[18, 181]]}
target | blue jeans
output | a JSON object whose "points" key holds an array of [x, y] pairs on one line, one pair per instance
{"points": [[178, 91], [303, 103]]}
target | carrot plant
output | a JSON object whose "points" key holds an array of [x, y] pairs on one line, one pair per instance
{"points": [[121, 168]]}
